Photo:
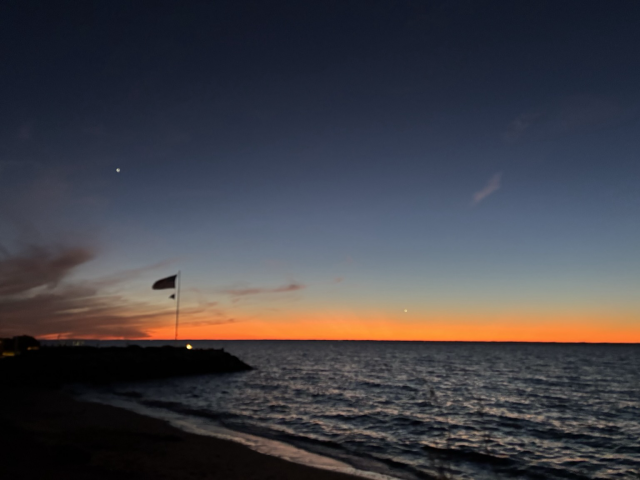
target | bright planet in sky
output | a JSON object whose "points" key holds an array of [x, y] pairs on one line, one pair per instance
{"points": [[118, 170]]}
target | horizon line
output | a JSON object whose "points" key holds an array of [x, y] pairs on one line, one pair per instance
{"points": [[330, 340]]}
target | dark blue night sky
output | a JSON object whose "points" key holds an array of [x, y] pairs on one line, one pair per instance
{"points": [[315, 168]]}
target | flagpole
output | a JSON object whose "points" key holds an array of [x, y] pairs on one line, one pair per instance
{"points": [[177, 305]]}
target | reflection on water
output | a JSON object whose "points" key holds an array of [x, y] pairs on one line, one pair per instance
{"points": [[539, 411]]}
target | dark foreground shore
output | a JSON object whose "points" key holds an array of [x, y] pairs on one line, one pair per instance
{"points": [[47, 434]]}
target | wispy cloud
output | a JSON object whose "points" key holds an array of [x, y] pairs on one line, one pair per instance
{"points": [[521, 124], [209, 323], [130, 274], [39, 266], [492, 185], [569, 115], [237, 292]]}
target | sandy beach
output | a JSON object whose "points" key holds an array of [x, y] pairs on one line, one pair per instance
{"points": [[47, 434]]}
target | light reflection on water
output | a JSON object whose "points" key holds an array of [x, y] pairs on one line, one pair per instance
{"points": [[539, 411]]}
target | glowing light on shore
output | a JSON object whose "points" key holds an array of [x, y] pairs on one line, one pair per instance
{"points": [[189, 347]]}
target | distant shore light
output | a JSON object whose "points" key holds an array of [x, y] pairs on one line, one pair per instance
{"points": [[189, 347]]}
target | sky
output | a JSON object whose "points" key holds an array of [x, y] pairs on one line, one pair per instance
{"points": [[386, 170]]}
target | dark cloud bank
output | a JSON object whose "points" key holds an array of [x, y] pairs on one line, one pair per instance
{"points": [[38, 298]]}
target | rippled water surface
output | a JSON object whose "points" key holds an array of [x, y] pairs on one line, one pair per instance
{"points": [[416, 410]]}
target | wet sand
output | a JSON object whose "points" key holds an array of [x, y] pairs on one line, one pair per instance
{"points": [[47, 434]]}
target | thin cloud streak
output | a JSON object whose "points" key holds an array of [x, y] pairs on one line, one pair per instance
{"points": [[237, 292], [521, 124], [492, 186], [570, 115]]}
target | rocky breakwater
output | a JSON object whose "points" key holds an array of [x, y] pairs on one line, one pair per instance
{"points": [[54, 366]]}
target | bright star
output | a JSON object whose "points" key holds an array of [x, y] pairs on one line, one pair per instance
{"points": [[118, 170]]}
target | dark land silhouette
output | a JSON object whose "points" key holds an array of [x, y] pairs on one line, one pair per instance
{"points": [[58, 365]]}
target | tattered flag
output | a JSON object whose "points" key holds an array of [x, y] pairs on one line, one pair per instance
{"points": [[169, 282], [173, 296]]}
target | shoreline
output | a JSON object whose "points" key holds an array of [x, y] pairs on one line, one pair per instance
{"points": [[48, 434], [262, 445], [48, 418]]}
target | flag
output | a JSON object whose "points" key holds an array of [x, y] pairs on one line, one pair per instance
{"points": [[173, 296], [169, 282]]}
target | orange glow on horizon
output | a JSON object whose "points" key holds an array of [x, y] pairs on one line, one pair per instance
{"points": [[570, 329], [359, 325]]}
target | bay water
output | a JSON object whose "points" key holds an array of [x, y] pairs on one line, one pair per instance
{"points": [[410, 410]]}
